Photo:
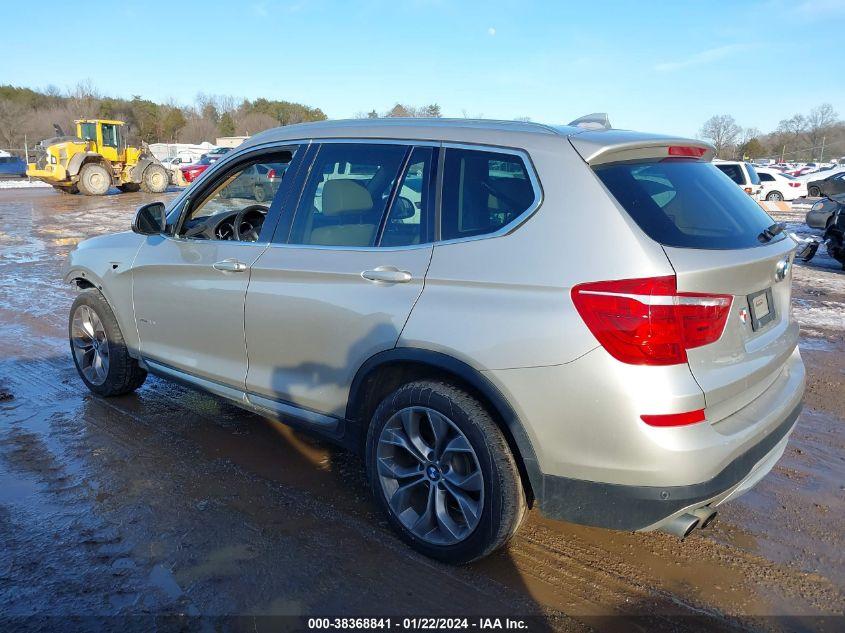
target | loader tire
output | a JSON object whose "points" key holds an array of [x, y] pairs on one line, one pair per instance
{"points": [[155, 179], [94, 180]]}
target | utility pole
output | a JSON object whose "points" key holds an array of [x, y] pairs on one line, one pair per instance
{"points": [[821, 157], [783, 153]]}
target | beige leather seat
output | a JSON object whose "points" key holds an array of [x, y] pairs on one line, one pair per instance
{"points": [[345, 197]]}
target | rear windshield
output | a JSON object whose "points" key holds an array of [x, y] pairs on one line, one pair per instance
{"points": [[752, 173], [686, 204]]}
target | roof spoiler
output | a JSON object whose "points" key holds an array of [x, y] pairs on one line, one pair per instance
{"points": [[594, 121]]}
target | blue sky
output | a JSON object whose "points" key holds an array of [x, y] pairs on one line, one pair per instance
{"points": [[657, 66]]}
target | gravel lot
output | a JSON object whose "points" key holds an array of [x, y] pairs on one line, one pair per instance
{"points": [[174, 502]]}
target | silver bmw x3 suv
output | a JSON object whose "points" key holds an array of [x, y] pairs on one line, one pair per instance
{"points": [[497, 315]]}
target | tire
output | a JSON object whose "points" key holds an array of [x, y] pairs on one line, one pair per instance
{"points": [[94, 179], [814, 192], [497, 507], [259, 193], [129, 187], [774, 196], [155, 179], [119, 373]]}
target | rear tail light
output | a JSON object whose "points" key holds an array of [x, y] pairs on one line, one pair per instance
{"points": [[795, 184], [748, 190], [271, 174], [647, 322], [674, 419]]}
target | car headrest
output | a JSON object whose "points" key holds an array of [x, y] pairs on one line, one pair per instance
{"points": [[344, 195]]}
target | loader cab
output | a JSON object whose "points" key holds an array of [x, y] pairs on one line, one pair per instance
{"points": [[105, 135]]}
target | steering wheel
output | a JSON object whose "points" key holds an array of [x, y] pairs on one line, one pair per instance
{"points": [[248, 222]]}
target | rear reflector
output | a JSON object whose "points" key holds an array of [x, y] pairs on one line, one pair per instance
{"points": [[674, 419], [647, 321], [686, 150]]}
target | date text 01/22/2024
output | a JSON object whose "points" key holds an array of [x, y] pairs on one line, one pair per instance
{"points": [[418, 623]]}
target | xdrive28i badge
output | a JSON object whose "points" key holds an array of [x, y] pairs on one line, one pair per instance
{"points": [[782, 269]]}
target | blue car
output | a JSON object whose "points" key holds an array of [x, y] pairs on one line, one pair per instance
{"points": [[12, 167]]}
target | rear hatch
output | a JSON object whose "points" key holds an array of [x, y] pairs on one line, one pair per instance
{"points": [[716, 238]]}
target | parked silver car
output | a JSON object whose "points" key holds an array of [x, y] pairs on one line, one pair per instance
{"points": [[496, 314]]}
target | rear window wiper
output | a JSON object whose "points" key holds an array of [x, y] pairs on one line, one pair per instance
{"points": [[769, 233]]}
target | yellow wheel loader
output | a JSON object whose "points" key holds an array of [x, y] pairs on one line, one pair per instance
{"points": [[96, 159]]}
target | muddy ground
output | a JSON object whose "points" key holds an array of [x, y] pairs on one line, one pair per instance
{"points": [[175, 502]]}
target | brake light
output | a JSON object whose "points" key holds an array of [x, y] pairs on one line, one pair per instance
{"points": [[674, 419], [271, 174], [647, 321], [794, 184], [684, 150]]}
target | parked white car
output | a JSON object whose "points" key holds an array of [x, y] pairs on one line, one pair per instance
{"points": [[741, 173], [777, 186], [172, 165]]}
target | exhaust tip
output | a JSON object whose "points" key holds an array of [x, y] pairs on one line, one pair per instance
{"points": [[682, 526], [705, 516]]}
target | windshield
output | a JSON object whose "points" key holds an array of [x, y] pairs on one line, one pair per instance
{"points": [[686, 203]]}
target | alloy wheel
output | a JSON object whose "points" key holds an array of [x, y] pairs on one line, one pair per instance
{"points": [[90, 345], [430, 475]]}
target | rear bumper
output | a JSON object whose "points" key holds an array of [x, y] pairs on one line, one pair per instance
{"points": [[624, 507]]}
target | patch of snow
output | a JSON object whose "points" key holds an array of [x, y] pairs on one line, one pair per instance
{"points": [[828, 315], [23, 183]]}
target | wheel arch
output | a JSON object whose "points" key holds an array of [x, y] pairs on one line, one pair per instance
{"points": [[137, 172], [77, 161], [388, 370]]}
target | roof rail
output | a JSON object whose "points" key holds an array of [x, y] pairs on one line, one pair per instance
{"points": [[594, 121]]}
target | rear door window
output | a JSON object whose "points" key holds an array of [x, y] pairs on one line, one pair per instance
{"points": [[410, 220], [686, 204], [343, 206], [734, 172], [482, 192]]}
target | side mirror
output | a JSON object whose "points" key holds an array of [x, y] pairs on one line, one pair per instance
{"points": [[150, 219], [403, 210]]}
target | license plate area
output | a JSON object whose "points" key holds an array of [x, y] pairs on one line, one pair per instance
{"points": [[761, 306]]}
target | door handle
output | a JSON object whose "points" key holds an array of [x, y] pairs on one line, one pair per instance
{"points": [[387, 274], [230, 266]]}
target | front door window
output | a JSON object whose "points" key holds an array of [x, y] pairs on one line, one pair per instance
{"points": [[235, 205]]}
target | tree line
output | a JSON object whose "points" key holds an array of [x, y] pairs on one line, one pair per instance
{"points": [[816, 136], [31, 114]]}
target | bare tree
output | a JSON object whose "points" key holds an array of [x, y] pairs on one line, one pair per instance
{"points": [[197, 130], [14, 124], [253, 123], [819, 122], [722, 130]]}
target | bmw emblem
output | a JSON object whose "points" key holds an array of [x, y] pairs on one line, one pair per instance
{"points": [[433, 472]]}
